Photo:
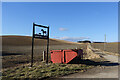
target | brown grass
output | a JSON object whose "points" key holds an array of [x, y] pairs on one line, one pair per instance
{"points": [[110, 47], [17, 49], [27, 41]]}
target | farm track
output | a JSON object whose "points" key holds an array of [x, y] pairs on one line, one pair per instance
{"points": [[109, 70]]}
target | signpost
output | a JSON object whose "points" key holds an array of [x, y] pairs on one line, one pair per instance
{"points": [[45, 35]]}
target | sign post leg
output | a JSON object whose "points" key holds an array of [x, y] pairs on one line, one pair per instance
{"points": [[32, 46], [47, 46]]}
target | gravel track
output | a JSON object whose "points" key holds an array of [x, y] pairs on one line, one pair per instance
{"points": [[109, 71]]}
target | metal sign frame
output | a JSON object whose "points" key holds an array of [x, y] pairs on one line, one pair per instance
{"points": [[39, 36]]}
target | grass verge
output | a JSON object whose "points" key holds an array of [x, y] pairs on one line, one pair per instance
{"points": [[41, 70]]}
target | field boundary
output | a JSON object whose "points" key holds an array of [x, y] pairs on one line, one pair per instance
{"points": [[110, 53]]}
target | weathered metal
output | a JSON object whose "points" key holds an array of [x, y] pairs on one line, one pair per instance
{"points": [[40, 36], [65, 56]]}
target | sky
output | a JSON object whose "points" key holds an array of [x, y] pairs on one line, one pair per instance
{"points": [[72, 21]]}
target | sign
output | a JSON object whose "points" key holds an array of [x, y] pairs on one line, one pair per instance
{"points": [[43, 35]]}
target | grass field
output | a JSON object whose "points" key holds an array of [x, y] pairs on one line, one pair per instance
{"points": [[16, 57], [109, 47], [17, 49], [41, 70]]}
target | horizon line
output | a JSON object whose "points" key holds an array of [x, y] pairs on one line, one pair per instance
{"points": [[51, 38]]}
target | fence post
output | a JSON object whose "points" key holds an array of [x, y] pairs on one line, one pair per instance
{"points": [[76, 48], [44, 56]]}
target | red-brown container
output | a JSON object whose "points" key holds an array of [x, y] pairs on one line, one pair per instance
{"points": [[56, 56], [64, 56]]}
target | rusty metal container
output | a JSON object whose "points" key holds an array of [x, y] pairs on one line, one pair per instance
{"points": [[65, 56]]}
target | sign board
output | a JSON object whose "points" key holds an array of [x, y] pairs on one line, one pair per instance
{"points": [[43, 35]]}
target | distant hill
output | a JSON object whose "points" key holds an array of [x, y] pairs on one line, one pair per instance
{"points": [[27, 41]]}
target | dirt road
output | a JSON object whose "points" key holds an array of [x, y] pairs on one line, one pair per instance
{"points": [[109, 70]]}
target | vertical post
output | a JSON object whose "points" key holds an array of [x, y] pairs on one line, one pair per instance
{"points": [[105, 42], [44, 56], [32, 45], [76, 48], [47, 45]]}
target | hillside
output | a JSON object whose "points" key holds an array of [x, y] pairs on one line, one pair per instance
{"points": [[17, 49], [109, 47], [27, 41]]}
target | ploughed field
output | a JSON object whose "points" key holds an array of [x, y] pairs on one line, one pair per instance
{"points": [[16, 50], [109, 47]]}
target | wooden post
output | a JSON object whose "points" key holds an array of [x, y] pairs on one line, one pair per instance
{"points": [[76, 48], [105, 42], [44, 56]]}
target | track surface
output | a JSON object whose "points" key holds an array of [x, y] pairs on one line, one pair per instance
{"points": [[105, 71]]}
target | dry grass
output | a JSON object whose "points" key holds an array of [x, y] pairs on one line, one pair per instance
{"points": [[41, 70], [27, 41], [110, 47], [17, 49], [17, 56]]}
